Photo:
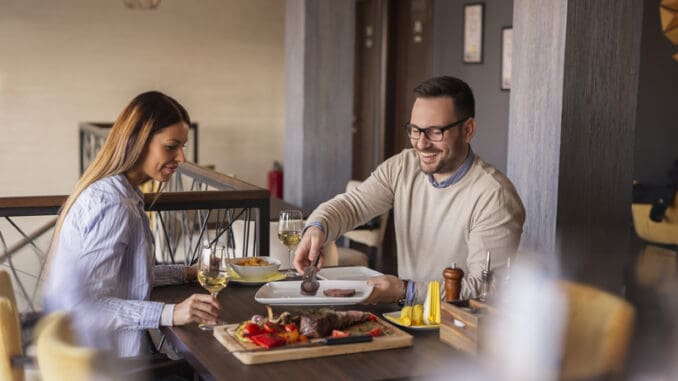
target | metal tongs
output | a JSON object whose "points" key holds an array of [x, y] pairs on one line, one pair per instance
{"points": [[309, 283]]}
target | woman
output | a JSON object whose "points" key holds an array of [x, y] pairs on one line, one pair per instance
{"points": [[101, 265]]}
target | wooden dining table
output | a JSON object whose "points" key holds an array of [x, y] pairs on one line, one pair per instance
{"points": [[427, 358]]}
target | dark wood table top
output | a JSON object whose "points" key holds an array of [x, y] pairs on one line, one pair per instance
{"points": [[428, 356]]}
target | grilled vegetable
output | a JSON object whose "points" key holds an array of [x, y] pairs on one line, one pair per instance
{"points": [[268, 340]]}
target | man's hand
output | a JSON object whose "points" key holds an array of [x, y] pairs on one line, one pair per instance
{"points": [[310, 247], [387, 289], [198, 308]]}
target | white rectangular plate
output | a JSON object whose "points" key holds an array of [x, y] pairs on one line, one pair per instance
{"points": [[289, 293], [347, 273]]}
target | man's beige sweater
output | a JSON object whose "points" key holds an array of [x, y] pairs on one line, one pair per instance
{"points": [[435, 227]]}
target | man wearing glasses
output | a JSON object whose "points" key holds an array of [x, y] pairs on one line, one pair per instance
{"points": [[449, 206]]}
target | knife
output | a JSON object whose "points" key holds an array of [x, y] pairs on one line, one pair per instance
{"points": [[314, 343]]}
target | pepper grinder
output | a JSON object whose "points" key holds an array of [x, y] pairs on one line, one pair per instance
{"points": [[486, 277], [452, 277]]}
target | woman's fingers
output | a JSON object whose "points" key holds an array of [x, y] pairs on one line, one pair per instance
{"points": [[199, 308]]}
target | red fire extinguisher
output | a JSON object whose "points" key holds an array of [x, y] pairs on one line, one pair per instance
{"points": [[275, 180]]}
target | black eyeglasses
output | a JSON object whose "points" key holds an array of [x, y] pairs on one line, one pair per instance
{"points": [[434, 134]]}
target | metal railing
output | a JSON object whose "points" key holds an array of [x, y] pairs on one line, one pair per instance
{"points": [[195, 206]]}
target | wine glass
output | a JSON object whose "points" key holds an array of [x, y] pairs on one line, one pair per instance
{"points": [[214, 272], [290, 224]]}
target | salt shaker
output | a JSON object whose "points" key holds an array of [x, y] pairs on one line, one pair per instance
{"points": [[486, 278], [452, 276]]}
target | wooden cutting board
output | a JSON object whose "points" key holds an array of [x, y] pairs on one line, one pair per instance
{"points": [[249, 353]]}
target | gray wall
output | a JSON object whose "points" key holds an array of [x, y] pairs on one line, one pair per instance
{"points": [[657, 116], [319, 63], [492, 104]]}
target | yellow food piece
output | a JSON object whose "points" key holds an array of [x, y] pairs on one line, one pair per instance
{"points": [[252, 261], [432, 303], [406, 312], [418, 314], [405, 321], [406, 316]]}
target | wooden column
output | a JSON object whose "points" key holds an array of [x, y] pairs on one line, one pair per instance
{"points": [[571, 131], [319, 38]]}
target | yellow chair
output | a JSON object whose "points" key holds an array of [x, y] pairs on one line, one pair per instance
{"points": [[664, 232], [14, 364], [598, 332], [6, 288], [10, 341], [372, 238], [59, 358]]}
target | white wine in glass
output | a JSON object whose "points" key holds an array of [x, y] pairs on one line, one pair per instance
{"points": [[214, 272], [290, 224]]}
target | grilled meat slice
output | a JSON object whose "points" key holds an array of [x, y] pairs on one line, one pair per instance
{"points": [[320, 323]]}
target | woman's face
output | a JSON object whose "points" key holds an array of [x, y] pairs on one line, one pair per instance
{"points": [[164, 153]]}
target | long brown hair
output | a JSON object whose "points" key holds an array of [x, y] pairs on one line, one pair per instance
{"points": [[144, 116]]}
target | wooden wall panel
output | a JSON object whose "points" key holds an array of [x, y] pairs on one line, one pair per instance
{"points": [[571, 131]]}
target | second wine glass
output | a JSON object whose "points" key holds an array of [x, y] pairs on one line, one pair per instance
{"points": [[290, 224], [214, 272]]}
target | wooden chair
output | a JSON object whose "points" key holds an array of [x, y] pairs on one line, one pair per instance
{"points": [[372, 238], [14, 364], [10, 342], [598, 332]]}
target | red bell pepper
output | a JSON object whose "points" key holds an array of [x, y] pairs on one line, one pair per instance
{"points": [[375, 332], [267, 340], [251, 329]]}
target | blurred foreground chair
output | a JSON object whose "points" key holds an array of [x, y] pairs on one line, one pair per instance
{"points": [[598, 332], [59, 358], [277, 250], [370, 237], [14, 365]]}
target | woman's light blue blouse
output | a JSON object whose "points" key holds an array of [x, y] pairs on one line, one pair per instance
{"points": [[102, 270]]}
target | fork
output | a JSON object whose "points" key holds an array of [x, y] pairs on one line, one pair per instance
{"points": [[309, 283]]}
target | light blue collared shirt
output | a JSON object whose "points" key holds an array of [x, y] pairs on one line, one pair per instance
{"points": [[103, 269], [457, 175]]}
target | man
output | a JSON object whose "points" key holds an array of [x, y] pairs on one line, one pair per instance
{"points": [[449, 206]]}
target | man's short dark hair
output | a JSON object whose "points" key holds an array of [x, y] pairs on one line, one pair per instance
{"points": [[455, 88]]}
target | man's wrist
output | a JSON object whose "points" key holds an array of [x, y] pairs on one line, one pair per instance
{"points": [[314, 224], [403, 297]]}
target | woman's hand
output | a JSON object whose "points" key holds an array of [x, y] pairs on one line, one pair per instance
{"points": [[198, 308]]}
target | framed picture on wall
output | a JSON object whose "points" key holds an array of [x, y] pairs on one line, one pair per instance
{"points": [[506, 55], [473, 33]]}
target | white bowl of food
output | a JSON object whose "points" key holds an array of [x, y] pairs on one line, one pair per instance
{"points": [[255, 267]]}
